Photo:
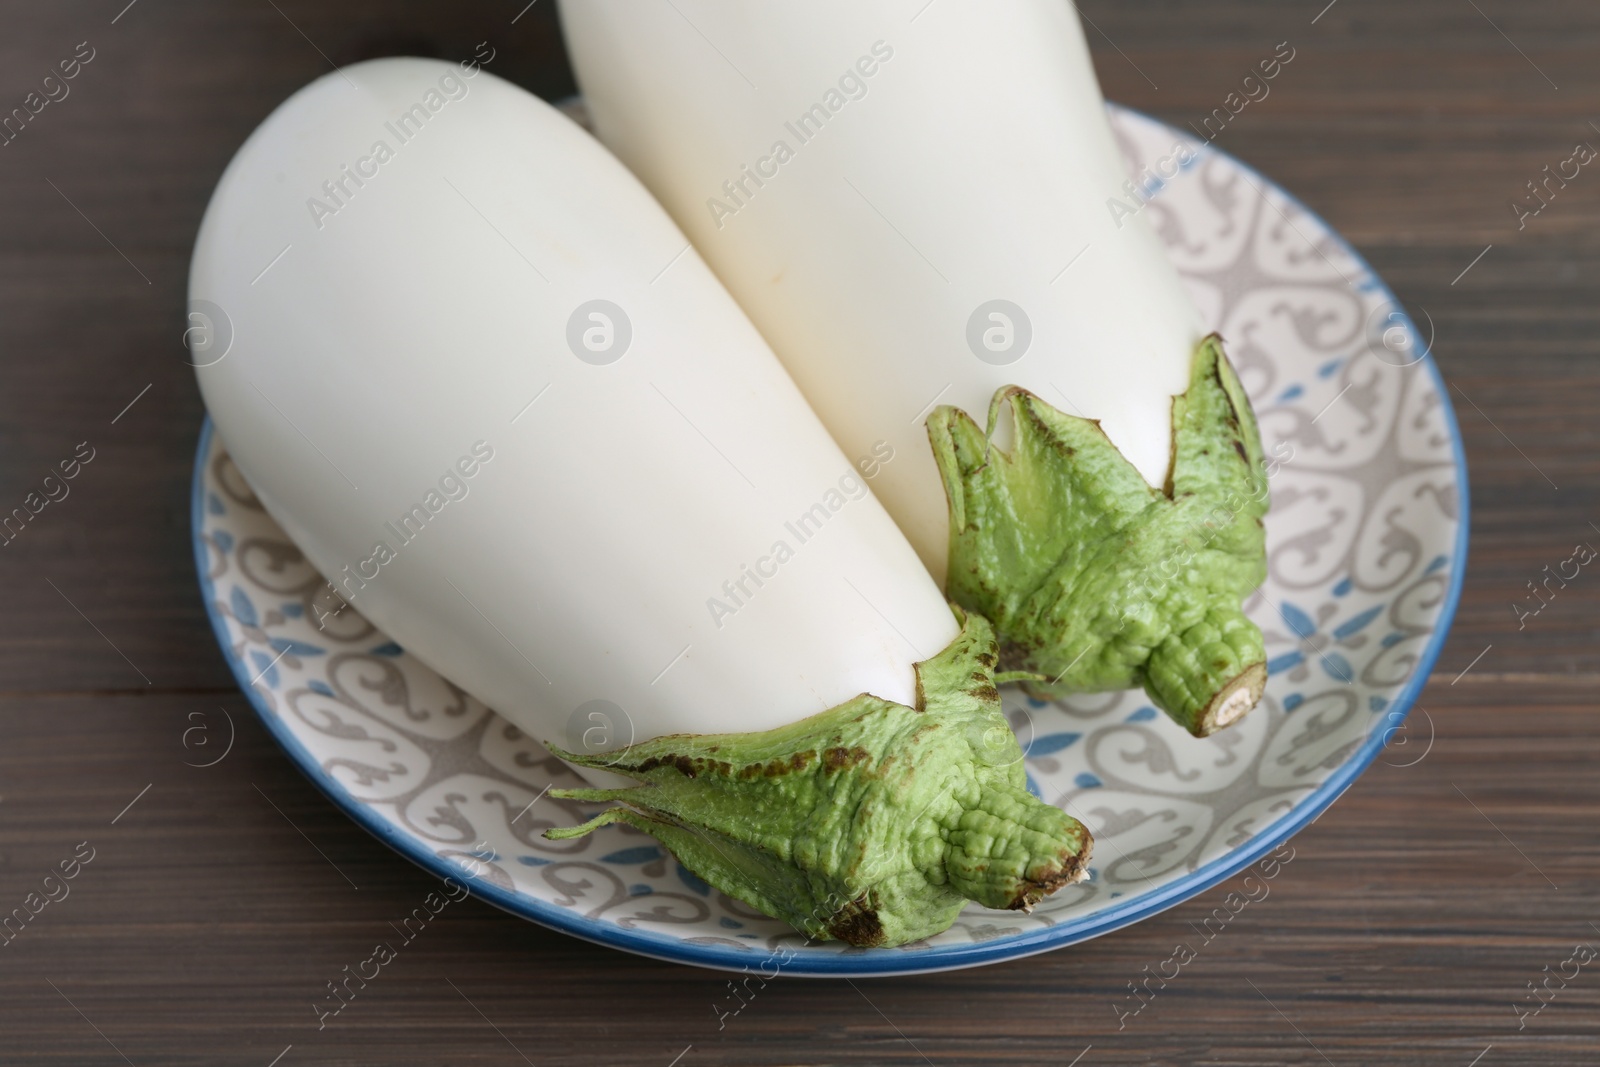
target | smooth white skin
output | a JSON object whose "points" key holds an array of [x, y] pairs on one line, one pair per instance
{"points": [[977, 165], [409, 326]]}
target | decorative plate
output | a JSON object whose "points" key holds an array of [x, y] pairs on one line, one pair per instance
{"points": [[1366, 538]]}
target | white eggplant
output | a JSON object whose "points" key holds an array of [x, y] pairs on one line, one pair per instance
{"points": [[923, 205], [480, 381]]}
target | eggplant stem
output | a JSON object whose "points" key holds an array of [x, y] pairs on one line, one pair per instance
{"points": [[1094, 579], [873, 822]]}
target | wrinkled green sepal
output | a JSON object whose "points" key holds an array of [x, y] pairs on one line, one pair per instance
{"points": [[873, 822], [1096, 580]]}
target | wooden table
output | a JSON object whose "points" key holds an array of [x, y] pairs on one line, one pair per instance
{"points": [[1412, 918]]}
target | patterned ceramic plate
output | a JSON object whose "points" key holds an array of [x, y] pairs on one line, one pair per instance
{"points": [[1367, 540]]}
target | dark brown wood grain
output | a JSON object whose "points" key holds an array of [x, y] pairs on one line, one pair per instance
{"points": [[1412, 916]]}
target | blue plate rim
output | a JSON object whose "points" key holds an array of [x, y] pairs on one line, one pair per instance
{"points": [[873, 963]]}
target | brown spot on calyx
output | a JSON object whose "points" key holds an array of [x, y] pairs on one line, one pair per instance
{"points": [[778, 766], [684, 764], [1016, 655], [1032, 890], [688, 766], [841, 759], [857, 924], [1042, 429], [986, 693], [1238, 446]]}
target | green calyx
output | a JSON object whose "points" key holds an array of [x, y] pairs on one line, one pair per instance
{"points": [[872, 823], [1093, 579]]}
